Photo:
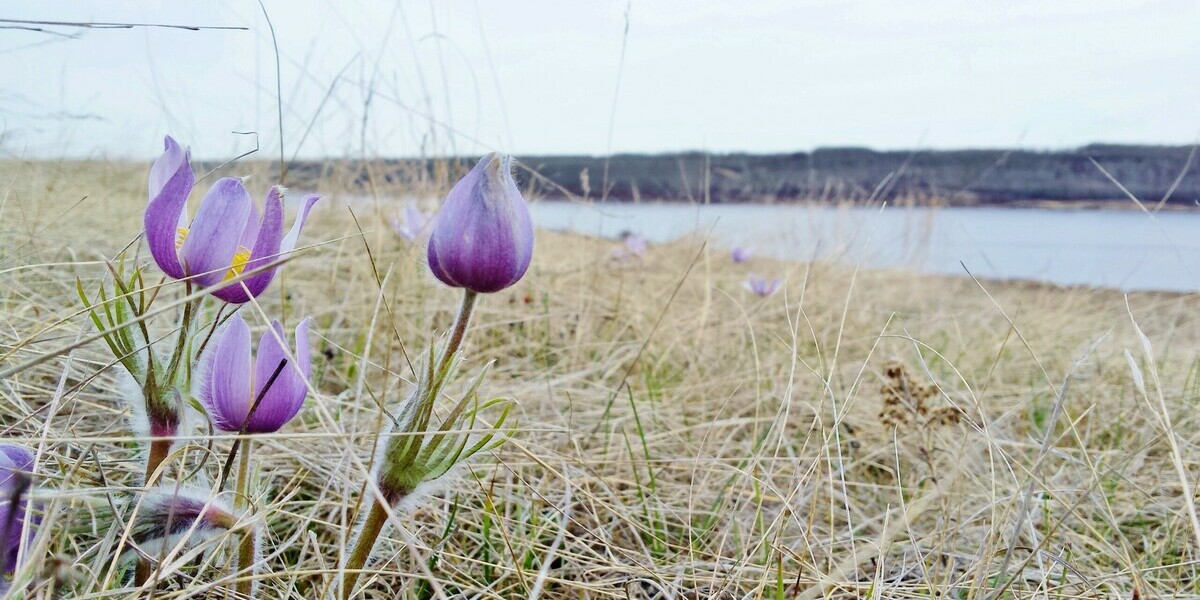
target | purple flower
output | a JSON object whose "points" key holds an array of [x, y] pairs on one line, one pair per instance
{"points": [[228, 384], [16, 464], [483, 237], [762, 286], [632, 246], [225, 238], [635, 245], [740, 254], [414, 224]]}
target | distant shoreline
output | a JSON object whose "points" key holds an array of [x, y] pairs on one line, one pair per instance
{"points": [[1064, 205], [1076, 178]]}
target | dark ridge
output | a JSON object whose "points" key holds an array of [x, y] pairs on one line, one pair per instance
{"points": [[946, 177]]}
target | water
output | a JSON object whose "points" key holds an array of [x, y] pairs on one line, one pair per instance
{"points": [[1127, 250]]}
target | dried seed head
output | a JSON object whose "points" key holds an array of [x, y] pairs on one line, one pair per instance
{"points": [[904, 401]]}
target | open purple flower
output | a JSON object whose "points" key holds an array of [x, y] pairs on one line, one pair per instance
{"points": [[414, 224], [740, 254], [229, 379], [225, 238], [483, 237], [762, 286], [16, 464]]}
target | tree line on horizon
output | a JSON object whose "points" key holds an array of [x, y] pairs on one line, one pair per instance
{"points": [[943, 177]]}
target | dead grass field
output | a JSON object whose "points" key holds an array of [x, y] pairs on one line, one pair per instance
{"points": [[861, 434]]}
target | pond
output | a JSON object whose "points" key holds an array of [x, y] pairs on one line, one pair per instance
{"points": [[1123, 249]]}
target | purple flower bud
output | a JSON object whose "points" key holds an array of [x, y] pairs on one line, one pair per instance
{"points": [[225, 238], [762, 286], [483, 237], [16, 465], [414, 224], [740, 254], [170, 514], [227, 383]]}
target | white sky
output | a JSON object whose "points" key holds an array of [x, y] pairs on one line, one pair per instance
{"points": [[540, 77]]}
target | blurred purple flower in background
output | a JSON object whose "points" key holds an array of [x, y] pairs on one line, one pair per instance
{"points": [[225, 238], [635, 245], [482, 239], [414, 225], [762, 286], [228, 384], [16, 464], [632, 246], [740, 254]]}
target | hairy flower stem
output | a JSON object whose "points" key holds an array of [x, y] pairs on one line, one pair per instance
{"points": [[241, 501], [457, 334], [155, 398], [141, 573], [377, 515], [159, 448], [185, 328], [362, 548]]}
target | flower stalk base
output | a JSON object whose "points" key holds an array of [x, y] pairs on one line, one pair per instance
{"points": [[372, 526], [394, 488], [159, 448], [245, 552]]}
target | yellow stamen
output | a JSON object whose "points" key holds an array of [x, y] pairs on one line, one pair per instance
{"points": [[180, 235], [239, 263]]}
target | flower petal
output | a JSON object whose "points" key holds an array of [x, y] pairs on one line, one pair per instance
{"points": [[226, 389], [436, 267], [522, 229], [413, 217], [168, 165], [285, 397], [289, 241], [20, 456], [272, 410], [266, 250], [13, 458], [7, 468], [213, 239], [171, 180], [414, 224], [250, 231], [303, 358]]}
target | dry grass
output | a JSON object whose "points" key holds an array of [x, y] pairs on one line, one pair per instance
{"points": [[702, 443]]}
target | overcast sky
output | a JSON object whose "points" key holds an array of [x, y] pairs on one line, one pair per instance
{"points": [[547, 77]]}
